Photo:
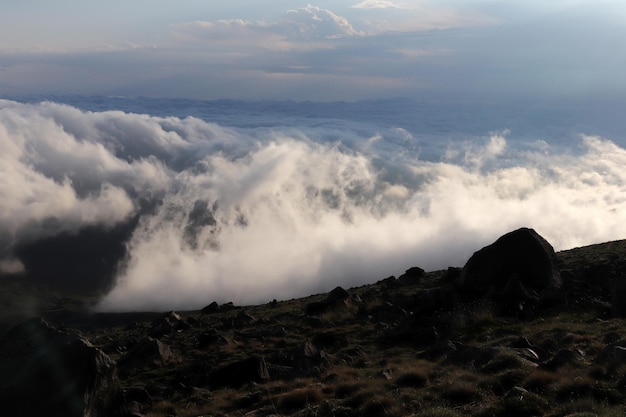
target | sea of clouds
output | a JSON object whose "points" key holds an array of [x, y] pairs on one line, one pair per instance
{"points": [[251, 204]]}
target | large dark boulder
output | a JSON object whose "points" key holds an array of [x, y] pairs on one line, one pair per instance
{"points": [[515, 269], [50, 372]]}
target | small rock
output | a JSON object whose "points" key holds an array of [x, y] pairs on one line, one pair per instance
{"points": [[149, 352], [211, 308]]}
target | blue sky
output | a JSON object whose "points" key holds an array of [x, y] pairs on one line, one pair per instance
{"points": [[340, 50]]}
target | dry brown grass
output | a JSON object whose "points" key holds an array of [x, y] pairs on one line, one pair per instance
{"points": [[299, 398], [539, 381]]}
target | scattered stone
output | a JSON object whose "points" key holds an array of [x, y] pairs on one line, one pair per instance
{"points": [[611, 355], [309, 358], [167, 324], [243, 319], [149, 352], [211, 308], [228, 306], [521, 342], [211, 337]]}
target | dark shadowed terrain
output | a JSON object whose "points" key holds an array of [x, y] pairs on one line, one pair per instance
{"points": [[422, 344]]}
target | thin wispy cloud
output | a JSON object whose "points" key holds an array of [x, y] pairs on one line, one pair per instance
{"points": [[299, 29], [378, 4]]}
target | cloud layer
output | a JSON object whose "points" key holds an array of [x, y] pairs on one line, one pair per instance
{"points": [[252, 214]]}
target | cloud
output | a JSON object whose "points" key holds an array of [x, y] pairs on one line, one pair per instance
{"points": [[377, 4], [315, 22], [308, 27], [250, 214], [294, 218], [63, 169], [420, 53]]}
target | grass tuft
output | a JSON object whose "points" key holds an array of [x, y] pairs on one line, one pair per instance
{"points": [[461, 392], [413, 379], [539, 381], [299, 398]]}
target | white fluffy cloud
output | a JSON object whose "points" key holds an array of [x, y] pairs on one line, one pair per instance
{"points": [[249, 215], [295, 218]]}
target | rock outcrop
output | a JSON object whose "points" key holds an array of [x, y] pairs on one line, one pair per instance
{"points": [[336, 301], [51, 372], [514, 270]]}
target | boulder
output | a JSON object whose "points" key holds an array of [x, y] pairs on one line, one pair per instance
{"points": [[412, 276], [47, 371], [166, 324], [147, 353], [211, 308], [308, 358], [208, 338], [336, 301], [611, 355], [514, 270], [338, 295], [389, 282]]}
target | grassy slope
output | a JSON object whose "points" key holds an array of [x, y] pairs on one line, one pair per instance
{"points": [[379, 359]]}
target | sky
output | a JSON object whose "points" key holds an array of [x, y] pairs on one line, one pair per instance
{"points": [[319, 51]]}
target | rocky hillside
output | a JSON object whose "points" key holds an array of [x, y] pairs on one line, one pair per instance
{"points": [[518, 331]]}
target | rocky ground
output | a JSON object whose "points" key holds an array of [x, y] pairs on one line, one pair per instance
{"points": [[423, 344]]}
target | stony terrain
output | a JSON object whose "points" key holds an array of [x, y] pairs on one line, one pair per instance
{"points": [[423, 344]]}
